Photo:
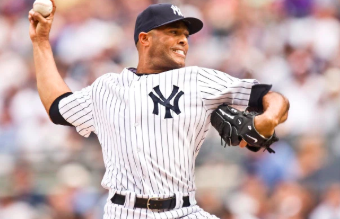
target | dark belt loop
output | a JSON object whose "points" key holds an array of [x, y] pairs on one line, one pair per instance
{"points": [[118, 199]]}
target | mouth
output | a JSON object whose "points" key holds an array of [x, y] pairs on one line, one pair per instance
{"points": [[179, 52]]}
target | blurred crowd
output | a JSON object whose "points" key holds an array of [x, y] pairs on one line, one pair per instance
{"points": [[51, 172]]}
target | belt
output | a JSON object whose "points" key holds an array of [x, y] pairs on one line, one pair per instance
{"points": [[152, 203]]}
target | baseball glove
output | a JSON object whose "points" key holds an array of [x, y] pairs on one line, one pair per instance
{"points": [[234, 125]]}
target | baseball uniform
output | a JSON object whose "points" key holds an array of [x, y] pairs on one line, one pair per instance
{"points": [[151, 128]]}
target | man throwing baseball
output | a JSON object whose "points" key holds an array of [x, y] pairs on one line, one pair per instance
{"points": [[152, 120]]}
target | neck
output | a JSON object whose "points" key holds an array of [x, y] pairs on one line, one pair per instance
{"points": [[147, 66], [150, 69]]}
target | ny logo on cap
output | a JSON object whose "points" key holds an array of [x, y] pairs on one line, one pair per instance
{"points": [[176, 10], [166, 102]]}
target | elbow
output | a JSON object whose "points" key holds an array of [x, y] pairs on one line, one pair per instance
{"points": [[54, 112], [286, 102], [286, 105]]}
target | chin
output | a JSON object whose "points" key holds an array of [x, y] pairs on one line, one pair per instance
{"points": [[180, 63], [172, 63]]}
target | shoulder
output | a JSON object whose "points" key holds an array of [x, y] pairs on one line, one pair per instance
{"points": [[105, 78], [208, 71]]}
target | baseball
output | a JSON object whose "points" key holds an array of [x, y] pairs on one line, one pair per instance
{"points": [[44, 7]]}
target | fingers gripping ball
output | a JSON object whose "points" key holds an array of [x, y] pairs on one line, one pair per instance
{"points": [[44, 7], [234, 125]]}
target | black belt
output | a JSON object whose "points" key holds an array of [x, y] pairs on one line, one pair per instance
{"points": [[152, 203]]}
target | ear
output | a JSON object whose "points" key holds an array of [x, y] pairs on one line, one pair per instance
{"points": [[144, 39]]}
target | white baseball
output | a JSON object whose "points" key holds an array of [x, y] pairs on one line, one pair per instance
{"points": [[44, 7]]}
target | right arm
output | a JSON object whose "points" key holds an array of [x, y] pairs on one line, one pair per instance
{"points": [[49, 82]]}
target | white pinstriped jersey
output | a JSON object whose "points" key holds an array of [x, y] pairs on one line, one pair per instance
{"points": [[151, 128]]}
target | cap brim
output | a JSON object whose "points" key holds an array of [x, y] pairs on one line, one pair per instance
{"points": [[194, 25]]}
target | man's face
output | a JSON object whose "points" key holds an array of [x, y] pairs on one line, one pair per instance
{"points": [[169, 46]]}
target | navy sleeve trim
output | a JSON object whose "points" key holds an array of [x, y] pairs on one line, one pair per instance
{"points": [[256, 95], [54, 112]]}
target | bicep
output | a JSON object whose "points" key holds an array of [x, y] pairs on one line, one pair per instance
{"points": [[218, 87], [76, 110]]}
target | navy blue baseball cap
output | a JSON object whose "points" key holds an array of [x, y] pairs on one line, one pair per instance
{"points": [[160, 14]]}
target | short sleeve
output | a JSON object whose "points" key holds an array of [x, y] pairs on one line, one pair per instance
{"points": [[77, 109], [217, 87]]}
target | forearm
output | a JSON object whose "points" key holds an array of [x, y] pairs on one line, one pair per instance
{"points": [[49, 82], [275, 107]]}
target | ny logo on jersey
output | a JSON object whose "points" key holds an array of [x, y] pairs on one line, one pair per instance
{"points": [[166, 102], [176, 10]]}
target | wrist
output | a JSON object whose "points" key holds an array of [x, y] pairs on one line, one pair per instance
{"points": [[270, 120], [40, 41], [41, 44], [265, 125]]}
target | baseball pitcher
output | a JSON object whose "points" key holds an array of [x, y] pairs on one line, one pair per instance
{"points": [[152, 120]]}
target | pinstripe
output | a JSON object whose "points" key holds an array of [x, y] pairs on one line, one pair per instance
{"points": [[165, 165], [220, 102], [114, 142], [126, 145], [212, 88], [189, 116], [160, 124], [106, 144], [207, 99], [133, 147], [61, 107], [186, 155], [167, 142], [74, 107], [147, 125], [147, 168], [203, 215], [86, 121], [200, 128], [179, 173], [157, 145], [191, 138], [79, 111], [183, 145], [120, 125], [211, 80], [120, 215], [117, 157], [143, 183], [85, 128], [110, 209], [179, 149], [113, 145], [245, 88], [225, 75], [231, 93], [81, 117], [172, 142]]}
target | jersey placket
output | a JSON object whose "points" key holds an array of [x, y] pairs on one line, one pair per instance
{"points": [[136, 101]]}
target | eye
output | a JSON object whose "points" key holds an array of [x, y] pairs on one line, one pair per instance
{"points": [[173, 31]]}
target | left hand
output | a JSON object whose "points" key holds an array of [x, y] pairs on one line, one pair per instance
{"points": [[264, 125]]}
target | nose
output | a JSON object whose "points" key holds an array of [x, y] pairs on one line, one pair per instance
{"points": [[183, 40]]}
